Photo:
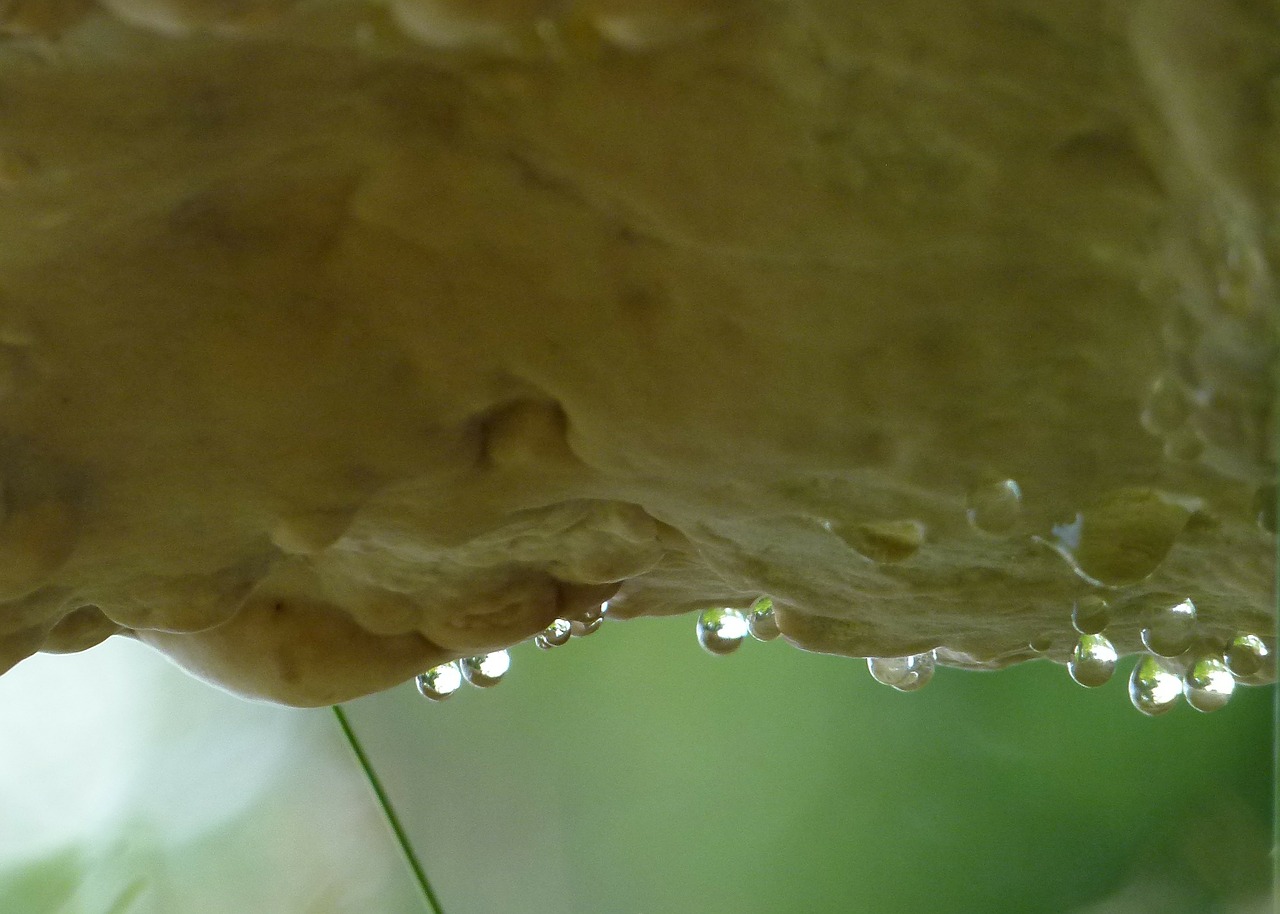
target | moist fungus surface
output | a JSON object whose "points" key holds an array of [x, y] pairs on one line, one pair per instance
{"points": [[341, 340]]}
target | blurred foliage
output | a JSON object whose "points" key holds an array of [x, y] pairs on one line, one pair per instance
{"points": [[634, 773]]}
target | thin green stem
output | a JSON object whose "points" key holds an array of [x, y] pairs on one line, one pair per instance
{"points": [[402, 838]]}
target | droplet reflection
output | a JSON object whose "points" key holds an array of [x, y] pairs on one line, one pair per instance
{"points": [[486, 670], [1093, 661], [1090, 615], [1247, 655], [1170, 628], [721, 631], [906, 674], [994, 507], [1209, 684], [440, 682], [554, 635], [1155, 686], [761, 621]]}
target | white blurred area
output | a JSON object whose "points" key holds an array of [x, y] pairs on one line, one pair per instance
{"points": [[127, 786]]}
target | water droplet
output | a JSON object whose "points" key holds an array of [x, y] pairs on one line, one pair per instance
{"points": [[1247, 655], [1166, 408], [883, 542], [1170, 627], [438, 683], [1040, 643], [1264, 508], [589, 622], [1155, 686], [1093, 661], [580, 629], [722, 631], [1090, 615], [994, 507], [1124, 537], [1209, 684], [761, 621], [906, 674], [486, 670], [557, 633]]}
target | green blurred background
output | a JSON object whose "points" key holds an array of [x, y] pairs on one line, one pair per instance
{"points": [[631, 772]]}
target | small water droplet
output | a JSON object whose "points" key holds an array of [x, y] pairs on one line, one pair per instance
{"points": [[1040, 643], [761, 620], [906, 674], [1264, 508], [1247, 655], [994, 507], [438, 683], [1090, 615], [1209, 684], [554, 635], [1093, 661], [1155, 686], [486, 670], [580, 629], [883, 542], [1170, 628], [721, 631], [1166, 408], [589, 622]]}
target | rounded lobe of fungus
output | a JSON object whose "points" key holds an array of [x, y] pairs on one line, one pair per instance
{"points": [[298, 651]]}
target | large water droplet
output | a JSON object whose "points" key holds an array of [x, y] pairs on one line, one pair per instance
{"points": [[1093, 661], [883, 542], [1155, 686], [486, 670], [1124, 537], [906, 674], [1247, 655], [1209, 684], [1170, 627], [721, 631], [438, 683], [994, 507], [761, 620], [554, 635], [1090, 615]]}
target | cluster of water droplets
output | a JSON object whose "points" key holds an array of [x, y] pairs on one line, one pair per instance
{"points": [[487, 670], [483, 671], [561, 631], [1170, 670], [723, 630]]}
